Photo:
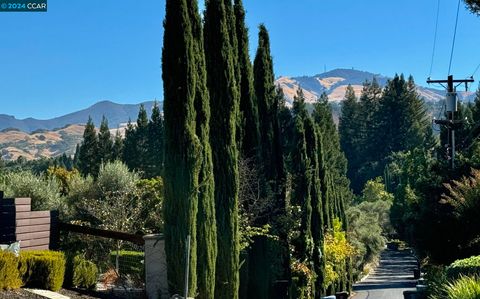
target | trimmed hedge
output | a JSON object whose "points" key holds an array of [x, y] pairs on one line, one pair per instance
{"points": [[9, 274], [42, 269], [84, 273], [466, 267], [38, 269], [130, 262]]}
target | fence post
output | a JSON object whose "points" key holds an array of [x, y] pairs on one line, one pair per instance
{"points": [[156, 283]]}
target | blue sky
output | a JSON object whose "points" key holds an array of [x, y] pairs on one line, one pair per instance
{"points": [[80, 52]]}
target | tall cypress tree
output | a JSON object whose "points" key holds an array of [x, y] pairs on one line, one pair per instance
{"points": [[182, 146], [105, 142], [249, 130], [206, 222], [88, 152], [224, 105], [302, 182]]}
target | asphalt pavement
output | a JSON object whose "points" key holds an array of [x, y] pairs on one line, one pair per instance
{"points": [[393, 275]]}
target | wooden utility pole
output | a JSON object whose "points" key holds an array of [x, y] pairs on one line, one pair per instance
{"points": [[451, 108]]}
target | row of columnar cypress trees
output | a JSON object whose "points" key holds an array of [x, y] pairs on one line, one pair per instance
{"points": [[219, 109]]}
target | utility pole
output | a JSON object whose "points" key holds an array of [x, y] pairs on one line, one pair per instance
{"points": [[451, 107]]}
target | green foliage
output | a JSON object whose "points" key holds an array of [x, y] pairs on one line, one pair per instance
{"points": [[374, 190], [436, 279], [249, 134], [105, 143], [88, 159], [42, 269], [44, 191], [130, 262], [338, 251], [468, 267], [85, 273], [464, 288], [189, 184], [391, 121], [222, 75], [303, 280], [9, 274]]}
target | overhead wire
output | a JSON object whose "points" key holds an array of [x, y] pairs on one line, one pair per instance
{"points": [[435, 38], [454, 37], [475, 71]]}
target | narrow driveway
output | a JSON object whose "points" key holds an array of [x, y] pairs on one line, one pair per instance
{"points": [[393, 275]]}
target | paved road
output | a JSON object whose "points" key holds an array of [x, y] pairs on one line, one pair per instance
{"points": [[393, 275]]}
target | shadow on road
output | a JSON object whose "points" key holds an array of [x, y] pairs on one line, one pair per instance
{"points": [[393, 275]]}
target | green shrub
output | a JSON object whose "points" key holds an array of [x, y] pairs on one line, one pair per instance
{"points": [[130, 262], [467, 267], [84, 273], [9, 274], [42, 269], [436, 278], [464, 288]]}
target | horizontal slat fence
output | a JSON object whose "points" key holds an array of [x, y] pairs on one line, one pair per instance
{"points": [[34, 229]]}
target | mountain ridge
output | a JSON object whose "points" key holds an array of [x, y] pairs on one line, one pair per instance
{"points": [[116, 114], [335, 82]]}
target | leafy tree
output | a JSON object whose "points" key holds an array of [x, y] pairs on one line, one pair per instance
{"points": [[224, 104], [44, 191]]}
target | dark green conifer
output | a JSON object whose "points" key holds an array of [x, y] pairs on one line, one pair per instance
{"points": [[249, 134], [88, 153], [206, 222], [105, 142], [224, 105], [129, 146], [349, 130], [155, 146], [182, 146], [117, 148]]}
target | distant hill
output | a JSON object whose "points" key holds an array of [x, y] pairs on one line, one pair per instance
{"points": [[33, 138], [335, 82], [42, 143], [116, 114]]}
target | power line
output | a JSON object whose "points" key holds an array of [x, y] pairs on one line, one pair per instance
{"points": [[454, 37], [476, 69], [435, 38]]}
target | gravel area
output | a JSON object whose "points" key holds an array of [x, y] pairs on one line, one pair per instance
{"points": [[18, 294]]}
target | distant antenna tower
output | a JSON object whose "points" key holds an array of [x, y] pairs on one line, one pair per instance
{"points": [[324, 68]]}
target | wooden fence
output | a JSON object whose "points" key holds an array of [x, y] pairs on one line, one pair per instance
{"points": [[35, 229]]}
